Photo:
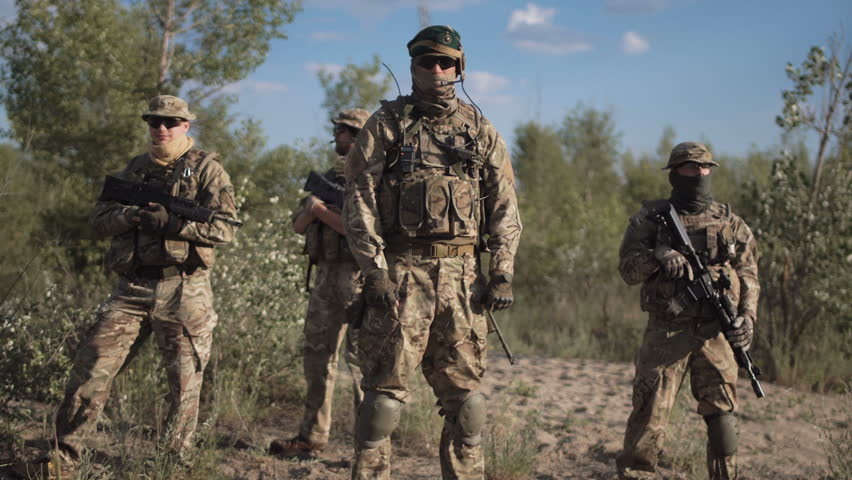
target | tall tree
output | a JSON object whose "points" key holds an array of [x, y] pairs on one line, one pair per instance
{"points": [[355, 86], [213, 42], [828, 76]]}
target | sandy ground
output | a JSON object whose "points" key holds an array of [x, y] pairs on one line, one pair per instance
{"points": [[579, 408], [572, 415]]}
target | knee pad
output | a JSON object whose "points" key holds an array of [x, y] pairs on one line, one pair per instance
{"points": [[722, 434], [471, 419], [378, 417]]}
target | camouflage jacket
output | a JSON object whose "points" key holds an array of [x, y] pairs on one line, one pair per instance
{"points": [[377, 149], [720, 237], [197, 176]]}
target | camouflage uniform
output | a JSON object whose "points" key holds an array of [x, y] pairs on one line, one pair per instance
{"points": [[164, 288], [420, 216], [678, 339], [334, 302]]}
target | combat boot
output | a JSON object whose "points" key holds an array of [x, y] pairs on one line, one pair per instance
{"points": [[51, 466], [296, 447]]}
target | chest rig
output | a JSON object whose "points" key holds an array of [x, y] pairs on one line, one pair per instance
{"points": [[181, 179], [431, 185], [711, 235]]}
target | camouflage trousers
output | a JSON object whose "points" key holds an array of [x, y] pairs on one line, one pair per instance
{"points": [[439, 327], [669, 349], [334, 303], [179, 311]]}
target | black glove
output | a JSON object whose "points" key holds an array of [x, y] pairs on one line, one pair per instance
{"points": [[742, 333], [673, 263], [498, 295], [378, 290], [156, 219]]}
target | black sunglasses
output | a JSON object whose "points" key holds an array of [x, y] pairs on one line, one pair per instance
{"points": [[429, 61], [169, 122]]}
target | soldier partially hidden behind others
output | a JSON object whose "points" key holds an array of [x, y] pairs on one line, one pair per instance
{"points": [[681, 338], [334, 303], [162, 261]]}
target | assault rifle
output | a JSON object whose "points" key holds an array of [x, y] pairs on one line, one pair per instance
{"points": [[140, 194], [324, 189], [703, 288]]}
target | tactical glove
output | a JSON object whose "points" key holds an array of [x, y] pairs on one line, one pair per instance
{"points": [[673, 263], [498, 295], [379, 291], [742, 333], [156, 219]]}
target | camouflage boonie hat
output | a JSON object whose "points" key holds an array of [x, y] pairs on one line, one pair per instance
{"points": [[168, 106], [352, 117], [436, 40], [690, 152]]}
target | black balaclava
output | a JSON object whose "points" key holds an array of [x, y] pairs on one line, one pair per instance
{"points": [[690, 194]]}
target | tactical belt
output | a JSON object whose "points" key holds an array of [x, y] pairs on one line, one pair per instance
{"points": [[439, 250], [159, 273]]}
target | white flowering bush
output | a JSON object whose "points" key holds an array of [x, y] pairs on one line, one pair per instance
{"points": [[36, 340], [258, 284]]}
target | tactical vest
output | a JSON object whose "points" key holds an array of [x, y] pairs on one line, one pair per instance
{"points": [[712, 237], [430, 188], [136, 248], [323, 243]]}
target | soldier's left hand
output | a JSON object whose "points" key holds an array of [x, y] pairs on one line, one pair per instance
{"points": [[156, 219], [498, 295], [742, 333]]}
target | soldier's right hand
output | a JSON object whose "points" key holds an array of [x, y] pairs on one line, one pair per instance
{"points": [[672, 263], [379, 290]]}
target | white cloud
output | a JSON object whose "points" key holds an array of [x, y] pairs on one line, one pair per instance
{"points": [[331, 68], [636, 7], [487, 87], [326, 36], [256, 86], [532, 29], [634, 44]]}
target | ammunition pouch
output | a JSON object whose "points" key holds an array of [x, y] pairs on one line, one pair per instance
{"points": [[437, 206]]}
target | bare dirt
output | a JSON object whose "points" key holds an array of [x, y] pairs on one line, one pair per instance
{"points": [[576, 411], [580, 408]]}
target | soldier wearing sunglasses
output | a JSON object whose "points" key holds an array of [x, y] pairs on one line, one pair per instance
{"points": [[163, 287], [336, 294], [429, 186]]}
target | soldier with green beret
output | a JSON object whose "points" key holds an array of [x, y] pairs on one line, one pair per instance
{"points": [[683, 336], [334, 299], [429, 186]]}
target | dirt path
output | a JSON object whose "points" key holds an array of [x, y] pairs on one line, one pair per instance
{"points": [[579, 409], [563, 420]]}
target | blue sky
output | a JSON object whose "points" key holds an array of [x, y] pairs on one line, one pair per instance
{"points": [[712, 69]]}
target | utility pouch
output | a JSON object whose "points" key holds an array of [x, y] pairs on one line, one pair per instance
{"points": [[463, 208], [330, 243], [388, 203], [175, 251], [122, 252], [411, 208], [437, 205], [313, 242]]}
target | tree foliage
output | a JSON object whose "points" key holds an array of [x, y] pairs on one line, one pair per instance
{"points": [[355, 86]]}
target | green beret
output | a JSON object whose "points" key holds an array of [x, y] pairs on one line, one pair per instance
{"points": [[437, 39]]}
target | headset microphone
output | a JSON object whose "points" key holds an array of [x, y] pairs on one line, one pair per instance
{"points": [[445, 83]]}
